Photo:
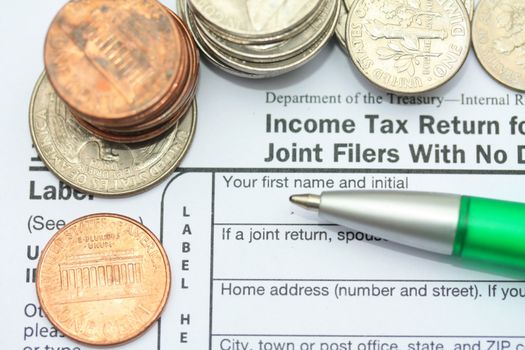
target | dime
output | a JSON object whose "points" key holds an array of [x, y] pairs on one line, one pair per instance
{"points": [[499, 40], [100, 167], [408, 47], [103, 279], [340, 29]]}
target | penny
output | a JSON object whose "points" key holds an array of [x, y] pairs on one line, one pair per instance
{"points": [[155, 125], [112, 59], [93, 165], [408, 47], [103, 279], [130, 138], [499, 41], [127, 70]]}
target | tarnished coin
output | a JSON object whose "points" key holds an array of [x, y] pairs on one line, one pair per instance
{"points": [[255, 18], [408, 47], [103, 279], [112, 59], [100, 167], [498, 37]]}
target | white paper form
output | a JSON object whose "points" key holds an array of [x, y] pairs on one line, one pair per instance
{"points": [[252, 271]]}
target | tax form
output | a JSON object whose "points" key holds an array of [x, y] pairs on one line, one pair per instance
{"points": [[250, 270]]}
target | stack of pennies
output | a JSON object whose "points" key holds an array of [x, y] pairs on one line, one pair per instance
{"points": [[260, 39], [116, 112], [127, 69], [340, 29], [408, 47]]}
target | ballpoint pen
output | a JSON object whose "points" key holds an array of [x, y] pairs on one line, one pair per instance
{"points": [[468, 227]]}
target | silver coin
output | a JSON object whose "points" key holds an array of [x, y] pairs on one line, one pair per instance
{"points": [[254, 18], [268, 39], [340, 27], [190, 21], [469, 5], [275, 68], [402, 52], [181, 8], [277, 51]]}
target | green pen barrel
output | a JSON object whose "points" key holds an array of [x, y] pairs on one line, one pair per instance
{"points": [[491, 230]]}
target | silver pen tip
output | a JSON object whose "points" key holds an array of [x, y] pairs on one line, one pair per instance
{"points": [[308, 201]]}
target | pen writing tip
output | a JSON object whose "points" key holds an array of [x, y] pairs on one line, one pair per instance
{"points": [[308, 201]]}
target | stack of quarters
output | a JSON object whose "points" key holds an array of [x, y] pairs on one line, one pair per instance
{"points": [[260, 39]]}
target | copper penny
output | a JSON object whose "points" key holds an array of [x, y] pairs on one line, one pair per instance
{"points": [[103, 279], [112, 59], [137, 121], [159, 123]]}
